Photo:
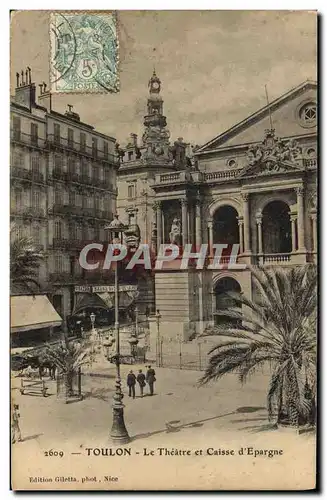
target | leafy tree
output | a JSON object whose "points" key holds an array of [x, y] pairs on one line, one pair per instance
{"points": [[278, 326]]}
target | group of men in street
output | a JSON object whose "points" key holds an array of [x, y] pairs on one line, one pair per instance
{"points": [[142, 380]]}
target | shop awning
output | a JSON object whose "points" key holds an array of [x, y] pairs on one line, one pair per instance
{"points": [[103, 300], [28, 312]]}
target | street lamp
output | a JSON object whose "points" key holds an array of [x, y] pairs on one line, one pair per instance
{"points": [[118, 434], [92, 336], [158, 316], [92, 318], [136, 320]]}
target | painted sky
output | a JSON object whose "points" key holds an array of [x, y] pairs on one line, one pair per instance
{"points": [[213, 66]]}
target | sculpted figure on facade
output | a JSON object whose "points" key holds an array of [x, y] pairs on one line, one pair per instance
{"points": [[132, 236], [120, 152], [175, 232], [272, 152], [254, 155], [156, 141], [294, 150]]}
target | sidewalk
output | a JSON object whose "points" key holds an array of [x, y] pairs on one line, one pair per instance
{"points": [[179, 416]]}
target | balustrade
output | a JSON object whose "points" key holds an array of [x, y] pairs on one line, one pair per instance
{"points": [[276, 257], [89, 151], [224, 174]]}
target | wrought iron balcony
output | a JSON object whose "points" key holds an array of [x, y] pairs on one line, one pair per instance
{"points": [[73, 243], [97, 154], [67, 243], [16, 136], [87, 278], [28, 213], [27, 175], [62, 277], [61, 175], [87, 212], [34, 212]]}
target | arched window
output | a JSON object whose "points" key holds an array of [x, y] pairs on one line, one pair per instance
{"points": [[225, 225], [276, 228], [224, 301]]}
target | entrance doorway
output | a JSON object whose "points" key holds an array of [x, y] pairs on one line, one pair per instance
{"points": [[224, 302], [225, 226], [276, 228]]}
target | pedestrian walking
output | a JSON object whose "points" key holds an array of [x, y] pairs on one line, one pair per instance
{"points": [[131, 381], [15, 428], [150, 378], [141, 380]]}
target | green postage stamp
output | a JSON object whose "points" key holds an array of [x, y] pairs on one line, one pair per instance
{"points": [[84, 52]]}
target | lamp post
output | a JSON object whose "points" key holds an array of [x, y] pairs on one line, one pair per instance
{"points": [[92, 337], [158, 316], [92, 318], [133, 341], [118, 434], [136, 321]]}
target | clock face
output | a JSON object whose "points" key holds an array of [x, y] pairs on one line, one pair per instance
{"points": [[155, 85]]}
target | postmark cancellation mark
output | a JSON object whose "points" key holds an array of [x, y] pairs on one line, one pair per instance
{"points": [[84, 52]]}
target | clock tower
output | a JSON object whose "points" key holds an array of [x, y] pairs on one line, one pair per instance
{"points": [[155, 101], [156, 136]]}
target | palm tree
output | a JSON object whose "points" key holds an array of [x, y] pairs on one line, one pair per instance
{"points": [[68, 356], [279, 327], [25, 261]]}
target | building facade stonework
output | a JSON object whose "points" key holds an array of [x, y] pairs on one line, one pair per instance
{"points": [[254, 185], [63, 187], [140, 162]]}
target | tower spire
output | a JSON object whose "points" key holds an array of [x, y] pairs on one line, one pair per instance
{"points": [[156, 136]]}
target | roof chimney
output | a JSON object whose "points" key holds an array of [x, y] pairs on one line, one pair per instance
{"points": [[45, 96], [25, 89]]}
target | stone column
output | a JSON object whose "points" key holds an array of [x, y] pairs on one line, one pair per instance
{"points": [[259, 232], [293, 223], [191, 224], [201, 302], [210, 242], [184, 221], [213, 305], [198, 238], [300, 219], [314, 232], [159, 224], [245, 198], [240, 232]]}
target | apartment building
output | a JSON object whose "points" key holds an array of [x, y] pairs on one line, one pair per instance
{"points": [[63, 187]]}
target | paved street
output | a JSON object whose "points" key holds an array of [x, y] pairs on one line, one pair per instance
{"points": [[179, 415]]}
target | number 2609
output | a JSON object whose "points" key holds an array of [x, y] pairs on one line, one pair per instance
{"points": [[53, 453]]}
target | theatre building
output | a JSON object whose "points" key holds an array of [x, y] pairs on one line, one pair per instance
{"points": [[253, 185]]}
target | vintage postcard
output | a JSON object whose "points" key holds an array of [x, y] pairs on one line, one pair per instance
{"points": [[164, 245]]}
